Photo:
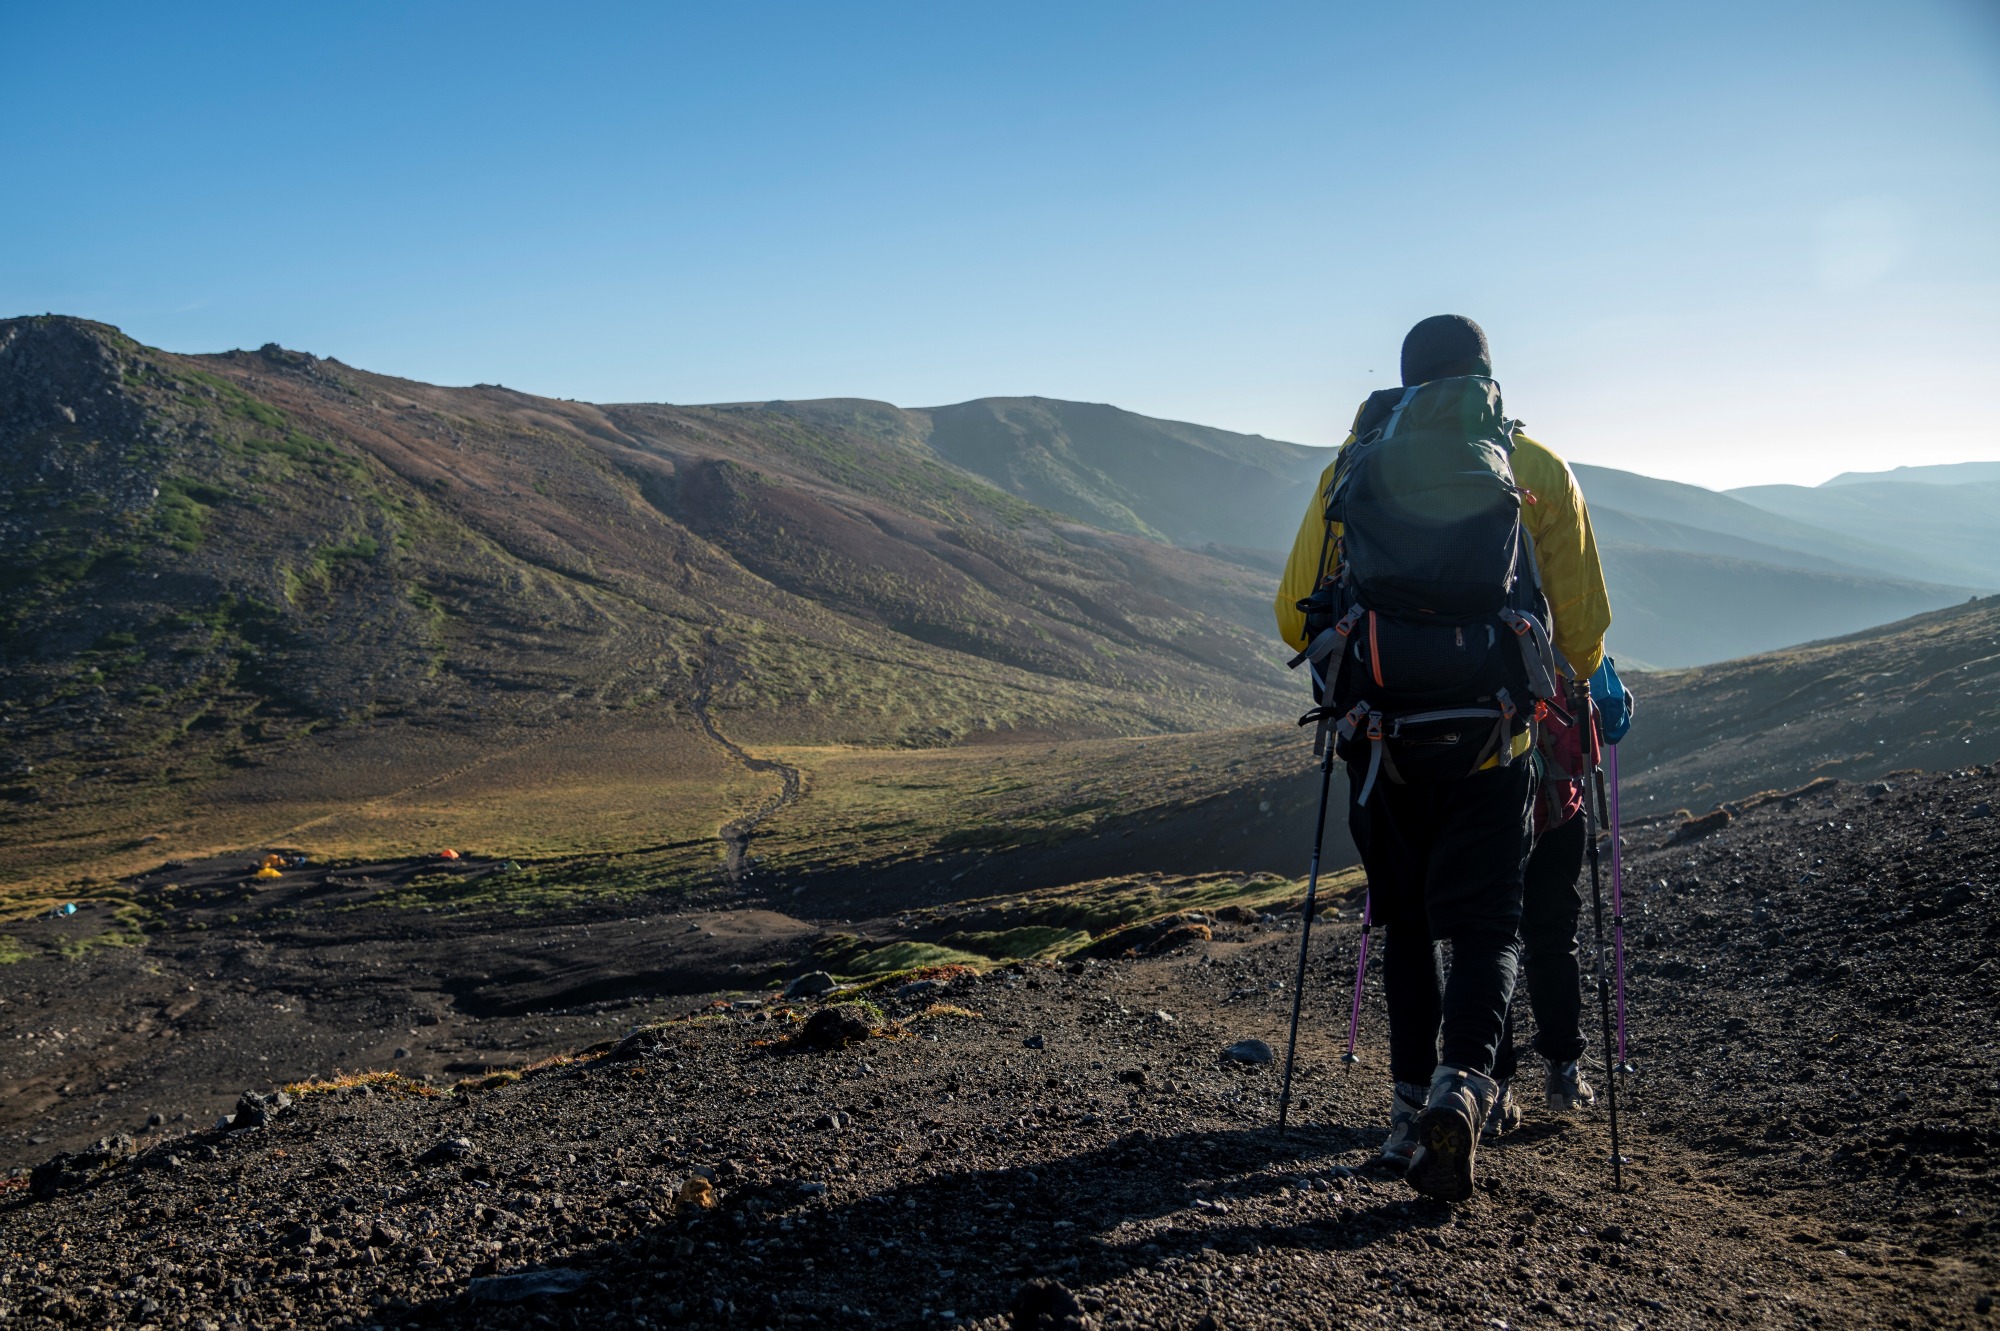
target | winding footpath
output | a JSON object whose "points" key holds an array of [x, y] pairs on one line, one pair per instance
{"points": [[736, 834]]}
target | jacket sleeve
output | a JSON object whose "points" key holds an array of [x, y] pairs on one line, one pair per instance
{"points": [[1302, 568], [1566, 556]]}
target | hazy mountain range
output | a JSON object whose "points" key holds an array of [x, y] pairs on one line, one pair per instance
{"points": [[1696, 575]]}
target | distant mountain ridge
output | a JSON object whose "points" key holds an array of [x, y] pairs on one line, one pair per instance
{"points": [[1949, 526], [1191, 485], [1695, 575], [1943, 473]]}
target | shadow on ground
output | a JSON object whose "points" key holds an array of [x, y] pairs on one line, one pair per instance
{"points": [[958, 1244]]}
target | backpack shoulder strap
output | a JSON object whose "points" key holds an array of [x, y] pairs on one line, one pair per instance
{"points": [[1396, 413]]}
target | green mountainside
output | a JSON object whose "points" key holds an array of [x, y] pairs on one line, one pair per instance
{"points": [[204, 556], [1190, 485]]}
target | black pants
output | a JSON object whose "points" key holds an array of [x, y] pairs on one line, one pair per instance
{"points": [[1552, 901], [1446, 862]]}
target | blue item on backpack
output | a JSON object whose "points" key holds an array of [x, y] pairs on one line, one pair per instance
{"points": [[1614, 702]]}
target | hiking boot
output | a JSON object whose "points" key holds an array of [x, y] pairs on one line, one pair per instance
{"points": [[1567, 1089], [1403, 1111], [1447, 1133], [1505, 1115]]}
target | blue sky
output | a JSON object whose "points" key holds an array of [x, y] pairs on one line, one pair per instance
{"points": [[1725, 243]]}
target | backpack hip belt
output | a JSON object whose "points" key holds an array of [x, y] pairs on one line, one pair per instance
{"points": [[1381, 730]]}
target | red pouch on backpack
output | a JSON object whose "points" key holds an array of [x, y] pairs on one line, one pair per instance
{"points": [[1563, 765]]}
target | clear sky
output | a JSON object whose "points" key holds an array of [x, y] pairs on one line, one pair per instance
{"points": [[1721, 242]]}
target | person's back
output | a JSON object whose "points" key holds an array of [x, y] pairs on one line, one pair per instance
{"points": [[1435, 713]]}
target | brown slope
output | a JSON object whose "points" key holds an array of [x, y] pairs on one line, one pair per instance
{"points": [[240, 559], [1923, 692]]}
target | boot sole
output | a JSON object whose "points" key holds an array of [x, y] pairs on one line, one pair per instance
{"points": [[1442, 1167]]}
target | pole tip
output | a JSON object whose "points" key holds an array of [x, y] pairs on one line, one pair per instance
{"points": [[1350, 1058]]}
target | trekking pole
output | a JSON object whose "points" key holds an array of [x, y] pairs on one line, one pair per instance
{"points": [[1616, 825], [1360, 970], [1305, 936], [1590, 811]]}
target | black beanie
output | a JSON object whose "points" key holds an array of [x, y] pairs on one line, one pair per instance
{"points": [[1444, 346]]}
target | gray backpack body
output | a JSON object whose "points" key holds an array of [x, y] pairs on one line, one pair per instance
{"points": [[1429, 639]]}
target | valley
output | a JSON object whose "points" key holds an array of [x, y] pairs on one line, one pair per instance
{"points": [[702, 699]]}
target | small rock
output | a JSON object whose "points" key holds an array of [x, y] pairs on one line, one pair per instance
{"points": [[384, 1236], [810, 985], [1980, 810], [1163, 1017], [1133, 1076], [917, 989], [837, 1121], [1034, 1042], [1877, 789], [1248, 1051], [449, 1151], [638, 1044], [156, 1119], [401, 1052], [254, 1110], [1180, 936], [837, 1026], [1045, 1305], [74, 1169]]}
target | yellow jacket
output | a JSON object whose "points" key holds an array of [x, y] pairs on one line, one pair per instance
{"points": [[1565, 554]]}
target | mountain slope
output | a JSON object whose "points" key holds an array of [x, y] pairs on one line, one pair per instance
{"points": [[1191, 485], [1870, 550], [267, 560], [1954, 525], [1677, 607], [1923, 692]]}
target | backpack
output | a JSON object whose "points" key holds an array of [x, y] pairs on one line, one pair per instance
{"points": [[1428, 641]]}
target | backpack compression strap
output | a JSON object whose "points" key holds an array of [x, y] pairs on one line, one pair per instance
{"points": [[1323, 646], [1538, 654]]}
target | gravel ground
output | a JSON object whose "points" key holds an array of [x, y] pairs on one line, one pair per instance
{"points": [[1811, 1135]]}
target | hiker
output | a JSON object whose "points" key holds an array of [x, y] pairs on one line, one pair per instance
{"points": [[1551, 906], [1443, 578]]}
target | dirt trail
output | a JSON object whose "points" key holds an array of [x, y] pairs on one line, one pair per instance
{"points": [[736, 834], [1797, 1160]]}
